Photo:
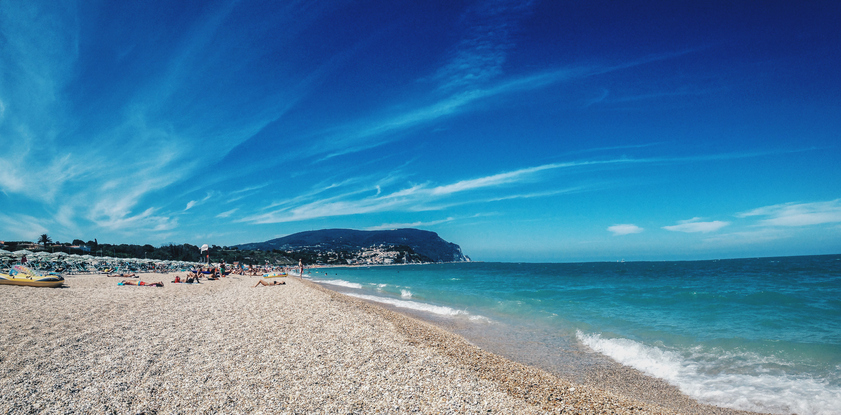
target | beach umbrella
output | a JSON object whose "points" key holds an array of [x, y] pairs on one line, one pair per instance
{"points": [[21, 253], [4, 252]]}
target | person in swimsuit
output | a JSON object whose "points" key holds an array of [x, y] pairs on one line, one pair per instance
{"points": [[261, 282]]}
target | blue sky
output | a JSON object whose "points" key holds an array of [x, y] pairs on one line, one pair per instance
{"points": [[521, 130]]}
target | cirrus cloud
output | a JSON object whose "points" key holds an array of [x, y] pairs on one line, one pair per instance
{"points": [[695, 225], [798, 214]]}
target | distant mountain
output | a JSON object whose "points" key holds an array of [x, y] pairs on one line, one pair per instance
{"points": [[427, 245]]}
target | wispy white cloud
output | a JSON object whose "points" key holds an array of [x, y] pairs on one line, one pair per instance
{"points": [[681, 92], [326, 187], [37, 159], [797, 214], [624, 229], [110, 176], [382, 130], [250, 189], [132, 223], [778, 222], [417, 224], [357, 138], [104, 187], [596, 100], [227, 213], [547, 193], [65, 217], [194, 203], [126, 181], [422, 224], [418, 197], [696, 225], [242, 194], [493, 180], [23, 227], [40, 46], [521, 175], [481, 54], [749, 237]]}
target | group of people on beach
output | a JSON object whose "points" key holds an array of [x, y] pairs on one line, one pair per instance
{"points": [[189, 279], [194, 275]]}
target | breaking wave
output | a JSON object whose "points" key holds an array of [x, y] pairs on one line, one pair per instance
{"points": [[698, 374]]}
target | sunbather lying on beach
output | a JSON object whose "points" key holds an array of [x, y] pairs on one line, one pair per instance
{"points": [[141, 283], [261, 282]]}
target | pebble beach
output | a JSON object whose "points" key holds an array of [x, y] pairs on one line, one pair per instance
{"points": [[227, 347]]}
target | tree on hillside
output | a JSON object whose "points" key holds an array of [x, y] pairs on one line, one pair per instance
{"points": [[44, 239]]}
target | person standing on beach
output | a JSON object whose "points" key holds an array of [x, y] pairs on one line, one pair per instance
{"points": [[301, 266]]}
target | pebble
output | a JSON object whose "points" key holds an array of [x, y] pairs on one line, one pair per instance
{"points": [[227, 347]]}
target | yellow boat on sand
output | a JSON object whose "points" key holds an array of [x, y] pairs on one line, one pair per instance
{"points": [[21, 275], [274, 275]]}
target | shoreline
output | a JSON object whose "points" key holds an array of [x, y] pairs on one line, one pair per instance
{"points": [[223, 346], [532, 383]]}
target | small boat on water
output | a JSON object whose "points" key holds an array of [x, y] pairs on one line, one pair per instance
{"points": [[22, 275]]}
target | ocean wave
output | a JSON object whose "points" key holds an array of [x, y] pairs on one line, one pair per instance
{"points": [[760, 391], [412, 305], [341, 283], [405, 294]]}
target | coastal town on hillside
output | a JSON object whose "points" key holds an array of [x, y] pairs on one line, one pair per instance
{"points": [[324, 250]]}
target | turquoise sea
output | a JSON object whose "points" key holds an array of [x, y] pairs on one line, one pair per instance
{"points": [[758, 334]]}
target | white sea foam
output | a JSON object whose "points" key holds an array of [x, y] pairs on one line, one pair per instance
{"points": [[405, 294], [758, 391], [341, 283], [412, 305], [480, 319]]}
